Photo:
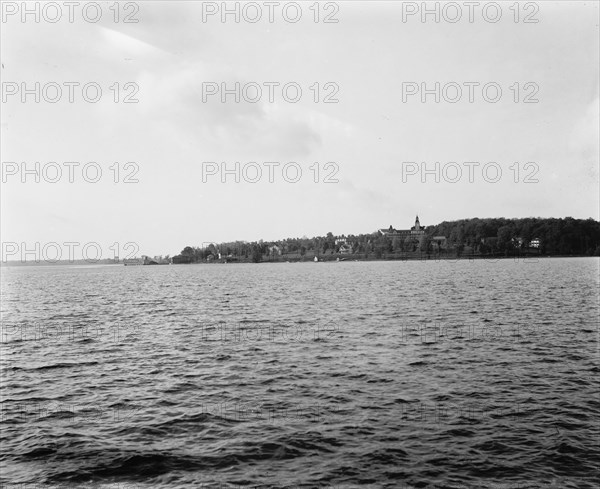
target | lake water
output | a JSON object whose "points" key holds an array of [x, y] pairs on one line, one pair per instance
{"points": [[350, 374]]}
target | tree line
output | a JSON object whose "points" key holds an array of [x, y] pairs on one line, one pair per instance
{"points": [[562, 236], [474, 237]]}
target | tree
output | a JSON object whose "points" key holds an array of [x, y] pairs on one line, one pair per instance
{"points": [[256, 253], [505, 236]]}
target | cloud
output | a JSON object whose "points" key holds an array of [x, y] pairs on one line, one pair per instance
{"points": [[173, 95], [584, 137], [585, 145]]}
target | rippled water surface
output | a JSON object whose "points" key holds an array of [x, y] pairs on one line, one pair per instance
{"points": [[350, 374]]}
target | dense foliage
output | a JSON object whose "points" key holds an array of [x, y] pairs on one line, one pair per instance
{"points": [[566, 236], [475, 237]]}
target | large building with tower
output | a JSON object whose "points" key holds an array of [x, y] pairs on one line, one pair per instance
{"points": [[414, 232]]}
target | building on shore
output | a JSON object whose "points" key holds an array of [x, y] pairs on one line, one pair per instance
{"points": [[438, 242], [146, 260], [416, 232], [345, 249]]}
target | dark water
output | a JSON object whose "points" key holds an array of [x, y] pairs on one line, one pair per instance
{"points": [[386, 374]]}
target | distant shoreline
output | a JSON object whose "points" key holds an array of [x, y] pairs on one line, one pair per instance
{"points": [[523, 258]]}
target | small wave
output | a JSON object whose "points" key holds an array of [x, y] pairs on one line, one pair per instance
{"points": [[64, 365]]}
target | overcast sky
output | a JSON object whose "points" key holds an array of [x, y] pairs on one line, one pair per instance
{"points": [[368, 54]]}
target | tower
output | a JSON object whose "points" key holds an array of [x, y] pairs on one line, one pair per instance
{"points": [[417, 224]]}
